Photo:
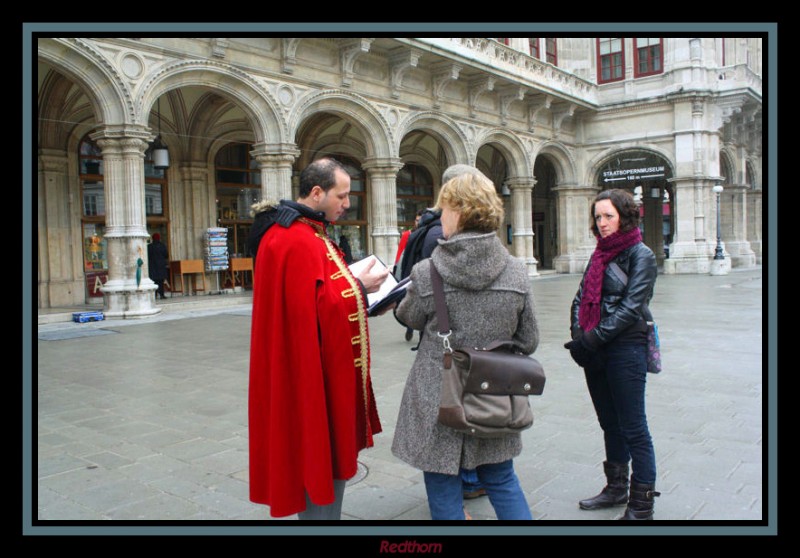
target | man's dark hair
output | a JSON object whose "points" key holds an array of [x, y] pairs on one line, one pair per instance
{"points": [[624, 203], [322, 173]]}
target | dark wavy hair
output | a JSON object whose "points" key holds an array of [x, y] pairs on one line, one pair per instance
{"points": [[623, 202], [322, 173]]}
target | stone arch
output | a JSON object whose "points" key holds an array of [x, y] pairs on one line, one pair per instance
{"points": [[727, 166], [111, 102], [563, 161], [250, 95], [752, 167], [512, 149], [355, 110], [445, 130], [594, 165]]}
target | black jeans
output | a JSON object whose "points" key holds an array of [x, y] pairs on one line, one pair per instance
{"points": [[616, 379]]}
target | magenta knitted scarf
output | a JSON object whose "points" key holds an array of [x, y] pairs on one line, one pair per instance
{"points": [[606, 250]]}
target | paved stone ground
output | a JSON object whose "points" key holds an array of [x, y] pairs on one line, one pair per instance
{"points": [[146, 420]]}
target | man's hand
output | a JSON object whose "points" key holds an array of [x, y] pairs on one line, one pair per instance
{"points": [[372, 279]]}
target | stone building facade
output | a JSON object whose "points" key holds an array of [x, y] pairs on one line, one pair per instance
{"points": [[551, 121]]}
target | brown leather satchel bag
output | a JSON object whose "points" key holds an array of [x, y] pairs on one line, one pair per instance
{"points": [[484, 389]]}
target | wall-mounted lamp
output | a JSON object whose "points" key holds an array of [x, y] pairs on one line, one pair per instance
{"points": [[505, 191], [160, 151]]}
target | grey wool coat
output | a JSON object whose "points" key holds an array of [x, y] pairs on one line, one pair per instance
{"points": [[488, 297]]}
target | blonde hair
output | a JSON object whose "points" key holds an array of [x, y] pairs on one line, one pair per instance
{"points": [[474, 197]]}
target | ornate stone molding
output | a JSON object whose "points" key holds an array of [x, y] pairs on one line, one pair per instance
{"points": [[111, 70], [349, 51], [399, 64], [441, 75], [225, 69], [288, 54], [508, 96], [535, 108], [477, 88], [219, 47], [559, 116]]}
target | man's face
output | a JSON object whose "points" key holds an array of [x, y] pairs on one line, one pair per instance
{"points": [[335, 202]]}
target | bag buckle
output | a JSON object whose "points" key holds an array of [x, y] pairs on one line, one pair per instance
{"points": [[448, 350]]}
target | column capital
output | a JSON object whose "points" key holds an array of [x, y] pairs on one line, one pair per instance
{"points": [[521, 182], [123, 131], [275, 152], [384, 164], [53, 160]]}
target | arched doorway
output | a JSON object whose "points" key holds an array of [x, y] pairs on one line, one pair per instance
{"points": [[543, 212], [354, 225], [647, 176]]}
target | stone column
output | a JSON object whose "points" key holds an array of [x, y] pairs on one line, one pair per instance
{"points": [[575, 240], [195, 196], [382, 173], [689, 251], [60, 266], [126, 231], [734, 226], [276, 162], [522, 221], [754, 222]]}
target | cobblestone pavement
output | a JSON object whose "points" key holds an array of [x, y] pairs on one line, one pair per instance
{"points": [[146, 420]]}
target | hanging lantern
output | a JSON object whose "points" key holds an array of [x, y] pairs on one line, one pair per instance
{"points": [[160, 151]]}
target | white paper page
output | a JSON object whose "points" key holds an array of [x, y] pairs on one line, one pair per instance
{"points": [[387, 285]]}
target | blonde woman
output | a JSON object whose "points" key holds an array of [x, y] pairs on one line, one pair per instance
{"points": [[488, 297]]}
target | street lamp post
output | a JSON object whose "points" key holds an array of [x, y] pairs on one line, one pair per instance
{"points": [[718, 253], [718, 266]]}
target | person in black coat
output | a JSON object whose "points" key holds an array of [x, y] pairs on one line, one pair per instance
{"points": [[608, 326], [157, 262]]}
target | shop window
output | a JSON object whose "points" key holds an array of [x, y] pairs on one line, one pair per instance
{"points": [[550, 53], [648, 57], [414, 192], [238, 183], [610, 60]]}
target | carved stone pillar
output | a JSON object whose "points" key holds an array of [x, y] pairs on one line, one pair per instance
{"points": [[694, 239], [575, 240], [126, 231], [382, 173], [60, 265], [522, 221], [734, 226], [276, 162], [195, 197], [754, 222]]}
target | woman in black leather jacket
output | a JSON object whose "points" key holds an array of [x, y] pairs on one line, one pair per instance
{"points": [[609, 340]]}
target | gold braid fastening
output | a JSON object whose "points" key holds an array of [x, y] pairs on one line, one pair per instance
{"points": [[361, 362]]}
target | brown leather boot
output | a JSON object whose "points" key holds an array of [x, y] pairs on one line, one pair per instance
{"points": [[615, 492], [640, 503]]}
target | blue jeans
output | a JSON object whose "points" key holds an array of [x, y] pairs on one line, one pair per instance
{"points": [[469, 480], [616, 381], [446, 502]]}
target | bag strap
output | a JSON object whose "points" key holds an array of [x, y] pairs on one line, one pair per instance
{"points": [[438, 300], [617, 270], [441, 314], [622, 276]]}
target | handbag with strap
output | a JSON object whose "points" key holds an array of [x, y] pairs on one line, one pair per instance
{"points": [[484, 389]]}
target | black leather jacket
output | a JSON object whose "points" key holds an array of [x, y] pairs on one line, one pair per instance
{"points": [[623, 305]]}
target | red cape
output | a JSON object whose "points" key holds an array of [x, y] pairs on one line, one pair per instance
{"points": [[311, 405]]}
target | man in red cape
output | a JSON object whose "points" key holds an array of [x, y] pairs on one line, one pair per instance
{"points": [[311, 405]]}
